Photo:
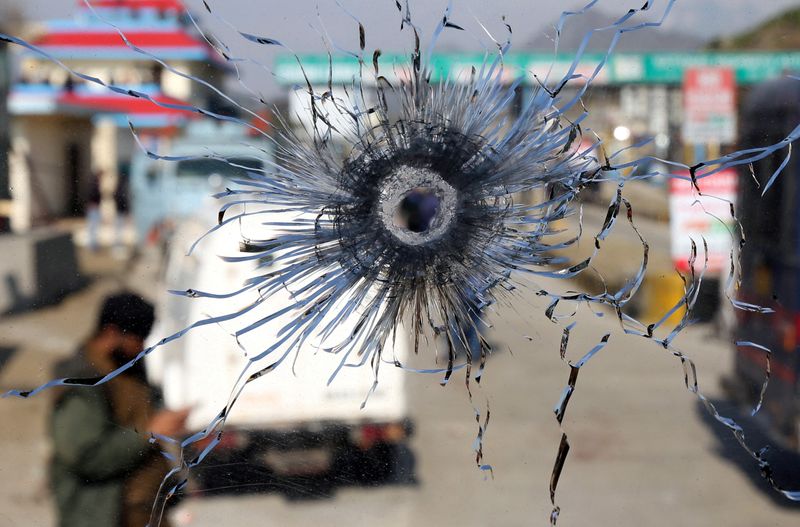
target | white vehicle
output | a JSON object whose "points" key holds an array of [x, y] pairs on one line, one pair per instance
{"points": [[165, 193], [291, 421]]}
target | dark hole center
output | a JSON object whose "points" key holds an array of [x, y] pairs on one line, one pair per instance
{"points": [[417, 210]]}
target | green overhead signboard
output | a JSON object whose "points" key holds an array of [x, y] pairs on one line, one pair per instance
{"points": [[623, 68], [749, 67]]}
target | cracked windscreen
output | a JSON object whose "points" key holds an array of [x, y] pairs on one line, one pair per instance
{"points": [[405, 262]]}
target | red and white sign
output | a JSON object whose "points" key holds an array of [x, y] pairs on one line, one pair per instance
{"points": [[709, 105], [693, 216]]}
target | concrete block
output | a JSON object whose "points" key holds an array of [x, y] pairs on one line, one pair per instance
{"points": [[37, 268]]}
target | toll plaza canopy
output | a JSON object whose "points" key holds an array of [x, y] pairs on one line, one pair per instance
{"points": [[622, 68], [159, 26], [92, 42]]}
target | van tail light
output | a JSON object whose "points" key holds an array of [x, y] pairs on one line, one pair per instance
{"points": [[368, 435], [230, 439]]}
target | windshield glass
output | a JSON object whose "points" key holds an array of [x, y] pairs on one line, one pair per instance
{"points": [[234, 168], [394, 263]]}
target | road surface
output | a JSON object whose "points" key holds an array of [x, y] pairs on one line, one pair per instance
{"points": [[643, 453]]}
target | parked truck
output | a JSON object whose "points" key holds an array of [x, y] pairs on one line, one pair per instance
{"points": [[770, 264]]}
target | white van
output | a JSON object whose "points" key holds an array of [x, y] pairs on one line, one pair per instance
{"points": [[165, 192], [290, 422]]}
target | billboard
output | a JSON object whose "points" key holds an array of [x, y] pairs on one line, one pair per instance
{"points": [[702, 215], [709, 105]]}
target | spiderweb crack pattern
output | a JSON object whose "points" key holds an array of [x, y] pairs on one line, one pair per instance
{"points": [[452, 165]]}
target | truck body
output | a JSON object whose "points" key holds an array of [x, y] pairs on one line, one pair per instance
{"points": [[770, 264]]}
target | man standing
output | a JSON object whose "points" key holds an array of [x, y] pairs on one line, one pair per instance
{"points": [[105, 471]]}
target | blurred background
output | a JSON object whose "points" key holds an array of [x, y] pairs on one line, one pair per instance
{"points": [[84, 212]]}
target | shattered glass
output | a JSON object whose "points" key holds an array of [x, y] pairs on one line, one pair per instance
{"points": [[441, 208]]}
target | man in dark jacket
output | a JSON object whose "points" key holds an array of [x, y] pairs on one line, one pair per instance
{"points": [[105, 472]]}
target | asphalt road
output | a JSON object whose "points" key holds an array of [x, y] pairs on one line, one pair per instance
{"points": [[641, 451]]}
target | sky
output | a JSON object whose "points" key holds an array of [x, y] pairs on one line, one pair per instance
{"points": [[300, 23], [702, 17]]}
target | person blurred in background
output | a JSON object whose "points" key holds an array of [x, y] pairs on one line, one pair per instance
{"points": [[122, 218], [105, 471], [93, 212]]}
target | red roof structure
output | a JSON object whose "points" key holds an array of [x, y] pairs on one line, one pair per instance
{"points": [[163, 5], [125, 104], [158, 26], [144, 39]]}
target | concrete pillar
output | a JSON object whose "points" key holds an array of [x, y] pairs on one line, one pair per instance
{"points": [[105, 161], [21, 208]]}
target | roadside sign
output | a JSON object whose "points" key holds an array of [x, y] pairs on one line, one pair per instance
{"points": [[709, 105], [695, 217]]}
